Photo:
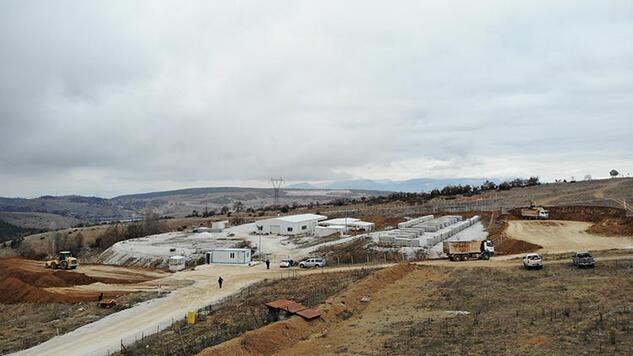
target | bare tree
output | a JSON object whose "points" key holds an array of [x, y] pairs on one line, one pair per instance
{"points": [[151, 225], [588, 177], [238, 206]]}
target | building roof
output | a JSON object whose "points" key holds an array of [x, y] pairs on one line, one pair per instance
{"points": [[339, 221], [363, 223], [294, 308], [300, 218], [338, 227], [231, 249]]}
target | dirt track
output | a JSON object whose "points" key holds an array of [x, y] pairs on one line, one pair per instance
{"points": [[105, 335], [557, 236]]}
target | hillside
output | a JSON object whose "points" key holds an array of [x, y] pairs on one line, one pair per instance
{"points": [[604, 192], [69, 210], [410, 185]]}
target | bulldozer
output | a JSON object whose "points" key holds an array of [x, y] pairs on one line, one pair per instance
{"points": [[63, 260]]}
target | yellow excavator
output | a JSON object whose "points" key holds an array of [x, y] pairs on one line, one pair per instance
{"points": [[63, 260]]}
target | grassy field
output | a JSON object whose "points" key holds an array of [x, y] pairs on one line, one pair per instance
{"points": [[463, 309], [560, 310], [28, 324]]}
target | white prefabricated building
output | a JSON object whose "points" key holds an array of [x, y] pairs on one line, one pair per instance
{"points": [[177, 263], [229, 256], [292, 225]]}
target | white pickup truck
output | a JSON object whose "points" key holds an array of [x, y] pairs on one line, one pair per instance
{"points": [[533, 261]]}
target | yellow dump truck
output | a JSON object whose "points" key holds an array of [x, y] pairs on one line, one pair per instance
{"points": [[465, 250], [535, 212]]}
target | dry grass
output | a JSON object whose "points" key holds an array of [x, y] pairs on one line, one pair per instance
{"points": [[26, 325], [560, 310], [242, 313]]}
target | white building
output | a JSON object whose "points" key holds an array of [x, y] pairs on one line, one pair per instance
{"points": [[177, 263], [229, 256], [292, 225]]}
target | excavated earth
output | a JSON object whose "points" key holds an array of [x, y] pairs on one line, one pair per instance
{"points": [[28, 281]]}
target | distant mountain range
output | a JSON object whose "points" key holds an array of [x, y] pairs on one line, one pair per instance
{"points": [[74, 208], [411, 185], [60, 211]]}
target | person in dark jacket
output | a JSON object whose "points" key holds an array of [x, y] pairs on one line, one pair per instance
{"points": [[267, 264], [220, 280]]}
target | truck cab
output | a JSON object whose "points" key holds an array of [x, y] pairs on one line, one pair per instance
{"points": [[488, 247]]}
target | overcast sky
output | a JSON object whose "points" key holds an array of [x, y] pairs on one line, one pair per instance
{"points": [[110, 97]]}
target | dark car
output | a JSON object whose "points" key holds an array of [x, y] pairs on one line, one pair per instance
{"points": [[583, 259]]}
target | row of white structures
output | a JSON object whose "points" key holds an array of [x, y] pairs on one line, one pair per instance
{"points": [[426, 231], [310, 224]]}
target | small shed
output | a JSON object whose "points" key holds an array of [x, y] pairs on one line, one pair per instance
{"points": [[229, 256], [177, 263], [219, 226]]}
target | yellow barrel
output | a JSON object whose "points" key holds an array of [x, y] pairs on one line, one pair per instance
{"points": [[191, 317]]}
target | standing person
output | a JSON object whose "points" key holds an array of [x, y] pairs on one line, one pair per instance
{"points": [[220, 280], [267, 264]]}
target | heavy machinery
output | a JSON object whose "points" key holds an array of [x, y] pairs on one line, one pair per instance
{"points": [[63, 260], [465, 250], [535, 212]]}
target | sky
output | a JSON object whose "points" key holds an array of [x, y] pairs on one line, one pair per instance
{"points": [[110, 97]]}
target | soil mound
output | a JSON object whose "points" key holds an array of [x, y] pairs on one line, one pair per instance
{"points": [[512, 247], [13, 290], [24, 281], [613, 227], [585, 213]]}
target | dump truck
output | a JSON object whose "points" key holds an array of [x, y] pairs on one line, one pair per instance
{"points": [[63, 260], [465, 250], [535, 212]]}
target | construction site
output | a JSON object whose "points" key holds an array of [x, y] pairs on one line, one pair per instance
{"points": [[396, 272]]}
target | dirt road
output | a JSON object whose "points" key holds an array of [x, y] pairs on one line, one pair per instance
{"points": [[564, 236], [106, 335]]}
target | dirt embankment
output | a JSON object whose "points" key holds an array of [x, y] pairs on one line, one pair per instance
{"points": [[606, 221], [25, 281], [280, 335], [496, 226]]}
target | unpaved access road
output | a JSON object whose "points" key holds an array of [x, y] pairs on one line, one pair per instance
{"points": [[557, 236], [105, 336]]}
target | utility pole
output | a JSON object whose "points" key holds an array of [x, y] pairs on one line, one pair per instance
{"points": [[276, 182]]}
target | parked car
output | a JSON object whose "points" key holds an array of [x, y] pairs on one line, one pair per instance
{"points": [[533, 261], [312, 262], [285, 263], [583, 259]]}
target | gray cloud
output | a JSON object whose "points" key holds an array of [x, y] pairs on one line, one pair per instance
{"points": [[112, 97]]}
